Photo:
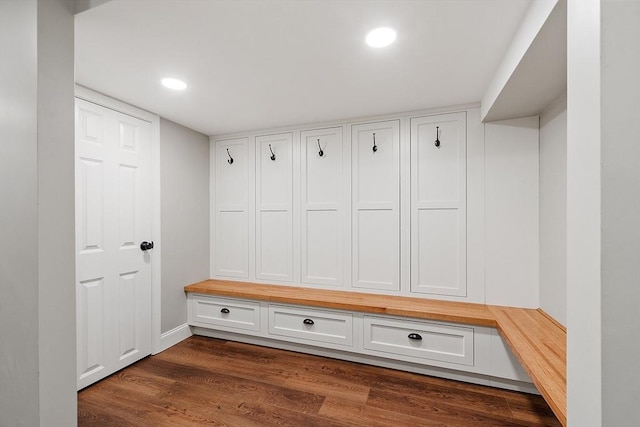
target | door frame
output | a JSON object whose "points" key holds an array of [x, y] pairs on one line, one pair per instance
{"points": [[94, 97]]}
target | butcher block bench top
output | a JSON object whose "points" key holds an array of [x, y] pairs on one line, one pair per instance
{"points": [[420, 308]]}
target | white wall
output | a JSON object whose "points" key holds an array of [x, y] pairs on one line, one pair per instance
{"points": [[584, 390], [511, 212], [37, 271], [184, 182], [553, 210]]}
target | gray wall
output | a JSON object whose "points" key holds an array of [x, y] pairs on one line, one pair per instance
{"points": [[37, 267], [18, 215], [584, 363], [620, 155], [56, 213], [603, 208], [184, 180], [553, 210]]}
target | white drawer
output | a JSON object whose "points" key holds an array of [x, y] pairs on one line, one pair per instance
{"points": [[419, 340], [311, 325], [228, 313]]}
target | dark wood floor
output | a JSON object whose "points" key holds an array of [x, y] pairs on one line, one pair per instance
{"points": [[204, 381]]}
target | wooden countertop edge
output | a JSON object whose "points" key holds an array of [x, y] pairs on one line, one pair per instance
{"points": [[367, 303], [523, 346]]}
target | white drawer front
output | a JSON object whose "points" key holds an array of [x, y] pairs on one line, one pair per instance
{"points": [[311, 325], [453, 344], [225, 312]]}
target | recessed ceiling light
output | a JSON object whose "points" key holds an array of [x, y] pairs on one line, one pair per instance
{"points": [[174, 84], [381, 37]]}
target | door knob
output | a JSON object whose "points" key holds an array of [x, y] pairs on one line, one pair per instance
{"points": [[145, 246]]}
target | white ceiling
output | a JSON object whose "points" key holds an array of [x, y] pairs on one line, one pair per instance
{"points": [[271, 63]]}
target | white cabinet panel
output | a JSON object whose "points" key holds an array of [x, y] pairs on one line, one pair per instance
{"points": [[231, 244], [274, 220], [322, 173], [321, 169], [231, 169], [311, 325], [321, 247], [376, 250], [375, 197], [439, 168], [226, 314], [504, 364], [419, 340], [231, 216], [375, 172], [273, 246], [438, 204], [274, 169], [439, 255]]}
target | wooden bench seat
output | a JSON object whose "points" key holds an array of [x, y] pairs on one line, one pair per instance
{"points": [[420, 308], [537, 340], [540, 344]]}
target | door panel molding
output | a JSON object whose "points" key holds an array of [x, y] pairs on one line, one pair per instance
{"points": [[93, 97]]}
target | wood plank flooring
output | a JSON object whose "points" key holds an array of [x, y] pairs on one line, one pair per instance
{"points": [[205, 381]]}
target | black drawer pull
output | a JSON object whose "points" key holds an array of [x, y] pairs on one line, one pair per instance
{"points": [[224, 311], [415, 337], [307, 322]]}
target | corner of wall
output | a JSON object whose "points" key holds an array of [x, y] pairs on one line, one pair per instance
{"points": [[185, 219], [553, 211]]}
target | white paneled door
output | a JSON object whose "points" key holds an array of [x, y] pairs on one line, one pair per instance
{"points": [[113, 218]]}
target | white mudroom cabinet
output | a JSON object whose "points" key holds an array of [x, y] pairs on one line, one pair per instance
{"points": [[377, 205], [385, 205]]}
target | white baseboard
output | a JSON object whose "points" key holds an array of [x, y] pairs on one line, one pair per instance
{"points": [[173, 337]]}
